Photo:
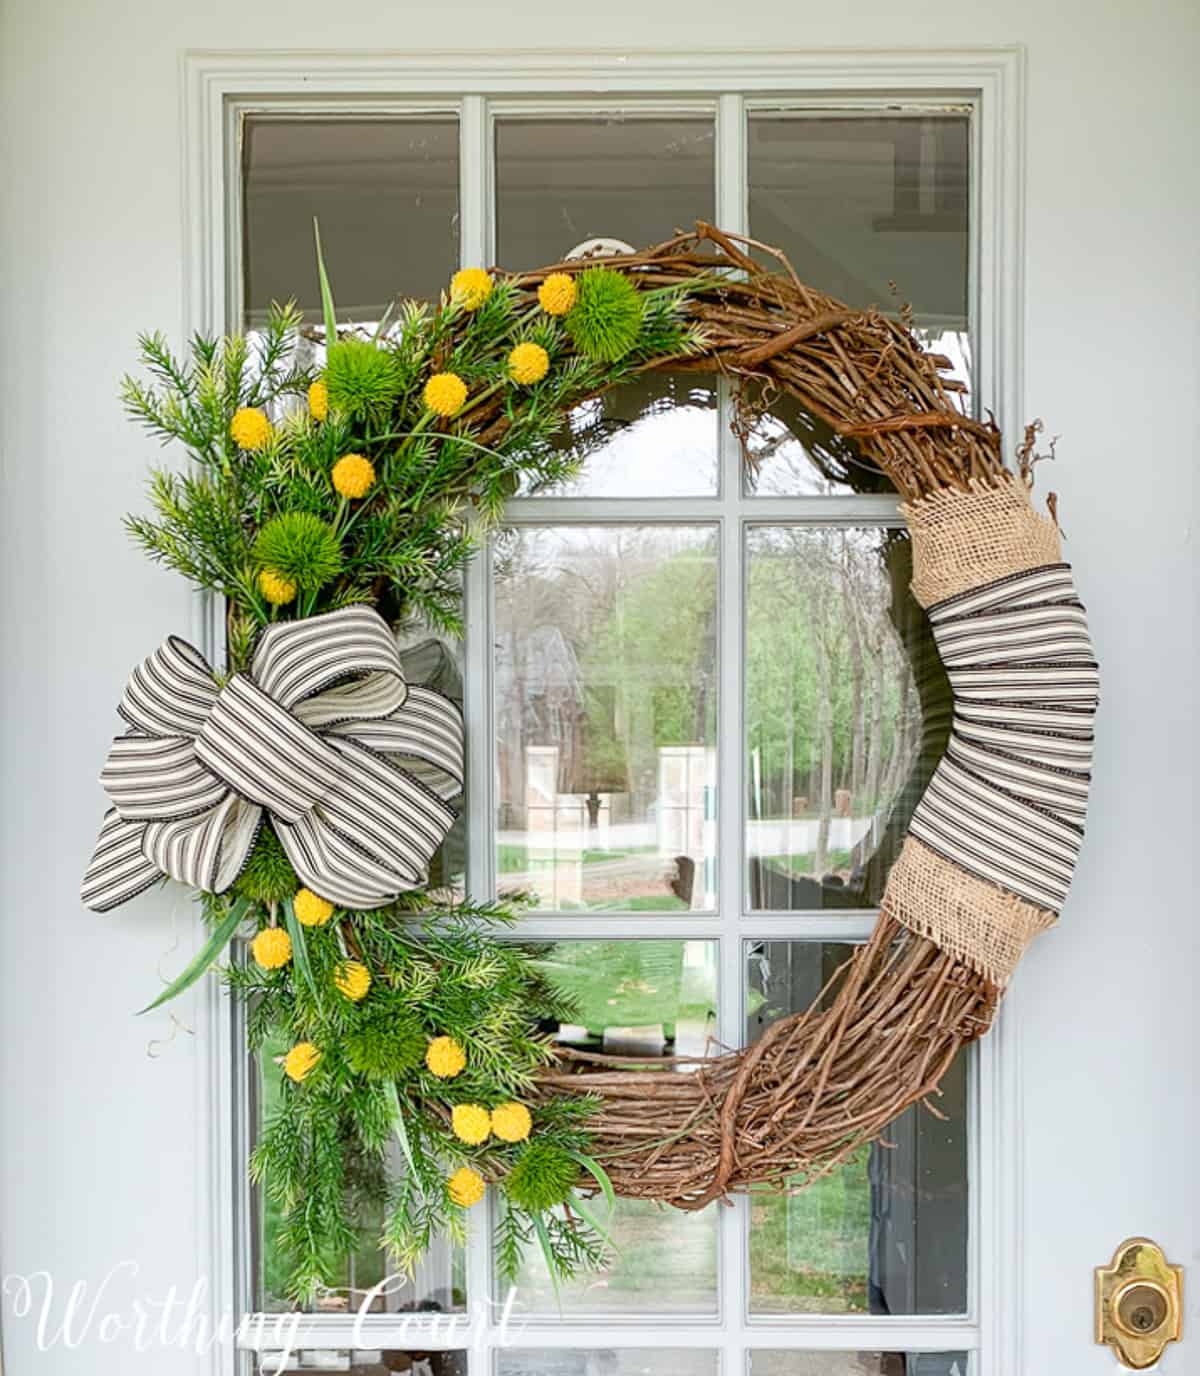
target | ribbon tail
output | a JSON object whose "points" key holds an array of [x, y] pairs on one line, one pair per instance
{"points": [[209, 851], [119, 869]]}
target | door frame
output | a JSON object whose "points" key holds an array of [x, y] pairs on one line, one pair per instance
{"points": [[212, 85]]}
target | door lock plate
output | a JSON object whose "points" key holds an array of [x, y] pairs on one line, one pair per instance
{"points": [[1139, 1303]]}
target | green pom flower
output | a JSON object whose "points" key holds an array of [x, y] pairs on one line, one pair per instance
{"points": [[606, 320], [543, 1176], [268, 876], [301, 547], [360, 379], [387, 1044]]}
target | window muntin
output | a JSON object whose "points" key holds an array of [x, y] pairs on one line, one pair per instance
{"points": [[728, 923]]}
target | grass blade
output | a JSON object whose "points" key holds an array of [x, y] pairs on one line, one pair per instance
{"points": [[221, 936], [326, 293], [584, 1212], [399, 1125], [300, 949], [599, 1175], [543, 1237]]}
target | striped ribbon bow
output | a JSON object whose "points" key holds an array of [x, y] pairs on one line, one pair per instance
{"points": [[355, 767]]}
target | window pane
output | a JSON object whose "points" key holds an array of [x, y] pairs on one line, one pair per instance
{"points": [[857, 204], [561, 182], [385, 192], [639, 998], [660, 1361], [367, 1363], [858, 1364], [605, 682], [886, 1233], [437, 1286], [847, 713]]}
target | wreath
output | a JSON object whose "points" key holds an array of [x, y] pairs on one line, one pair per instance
{"points": [[306, 786]]}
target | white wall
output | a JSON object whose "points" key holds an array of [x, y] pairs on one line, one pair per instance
{"points": [[100, 1142]]}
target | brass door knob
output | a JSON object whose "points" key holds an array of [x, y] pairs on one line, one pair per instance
{"points": [[1139, 1303]]}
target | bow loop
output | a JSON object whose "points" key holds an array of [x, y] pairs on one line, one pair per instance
{"points": [[354, 770]]}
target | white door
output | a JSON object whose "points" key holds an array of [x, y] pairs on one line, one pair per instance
{"points": [[742, 633]]}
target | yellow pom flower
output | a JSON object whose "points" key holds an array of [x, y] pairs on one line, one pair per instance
{"points": [[472, 1123], [277, 589], [250, 428], [353, 979], [445, 1058], [271, 948], [528, 363], [318, 400], [556, 295], [445, 393], [466, 1187], [470, 288], [311, 909], [512, 1122], [353, 476], [300, 1060]]}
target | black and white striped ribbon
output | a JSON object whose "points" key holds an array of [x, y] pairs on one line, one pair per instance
{"points": [[355, 767], [1008, 800]]}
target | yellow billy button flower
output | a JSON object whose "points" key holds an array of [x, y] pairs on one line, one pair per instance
{"points": [[318, 400], [250, 428], [556, 295], [528, 363], [271, 948], [472, 1123], [445, 393], [277, 589], [311, 910], [353, 476], [353, 979], [445, 1058], [466, 1187], [470, 288], [512, 1122], [300, 1060]]}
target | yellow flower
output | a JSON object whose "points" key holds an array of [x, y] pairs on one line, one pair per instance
{"points": [[311, 909], [277, 589], [472, 1123], [318, 399], [556, 295], [528, 363], [512, 1122], [470, 288], [466, 1187], [353, 979], [250, 428], [300, 1060], [445, 394], [445, 1058], [353, 476], [272, 947]]}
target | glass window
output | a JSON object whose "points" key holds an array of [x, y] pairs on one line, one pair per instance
{"points": [[385, 191], [858, 1363], [873, 210], [561, 182], [611, 1361], [643, 998], [885, 1233], [847, 712], [605, 683]]}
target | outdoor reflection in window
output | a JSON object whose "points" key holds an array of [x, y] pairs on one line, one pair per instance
{"points": [[790, 1363], [885, 1233], [605, 683], [612, 1361], [847, 713], [636, 998]]}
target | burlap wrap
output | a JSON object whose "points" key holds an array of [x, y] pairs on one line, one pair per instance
{"points": [[961, 541]]}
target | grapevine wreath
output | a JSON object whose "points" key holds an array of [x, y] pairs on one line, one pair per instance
{"points": [[305, 787]]}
